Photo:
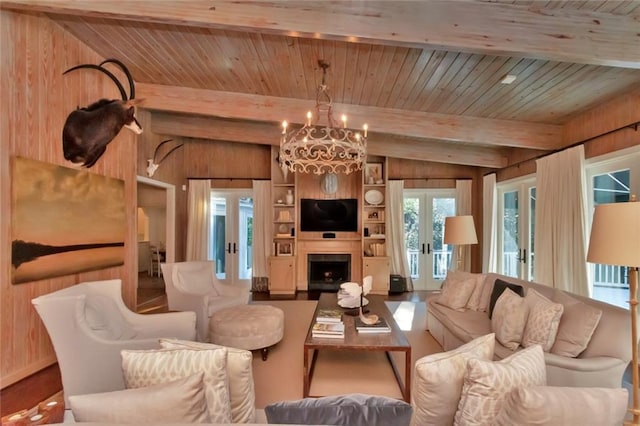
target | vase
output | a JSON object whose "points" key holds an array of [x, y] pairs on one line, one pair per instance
{"points": [[289, 197]]}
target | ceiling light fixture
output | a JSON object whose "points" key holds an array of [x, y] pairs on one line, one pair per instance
{"points": [[508, 79], [316, 148]]}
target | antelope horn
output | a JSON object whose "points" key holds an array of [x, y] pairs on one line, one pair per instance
{"points": [[158, 148], [132, 89], [168, 153], [107, 72]]}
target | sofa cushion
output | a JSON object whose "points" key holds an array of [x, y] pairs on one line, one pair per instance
{"points": [[509, 319], [550, 405], [542, 323], [143, 368], [179, 401], [577, 324], [487, 289], [498, 288], [438, 379], [456, 294], [466, 325], [487, 384], [239, 373], [351, 409]]}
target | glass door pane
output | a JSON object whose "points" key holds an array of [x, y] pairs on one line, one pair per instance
{"points": [[441, 208], [217, 248], [245, 238], [532, 232], [413, 237], [510, 226]]}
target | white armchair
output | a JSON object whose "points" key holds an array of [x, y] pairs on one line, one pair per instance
{"points": [[193, 286], [89, 325]]}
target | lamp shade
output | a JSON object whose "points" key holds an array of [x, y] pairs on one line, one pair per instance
{"points": [[615, 235], [459, 230]]}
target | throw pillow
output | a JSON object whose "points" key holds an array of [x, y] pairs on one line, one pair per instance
{"points": [[550, 405], [498, 288], [195, 279], [455, 294], [577, 325], [487, 384], [542, 323], [437, 381], [348, 410], [240, 375], [150, 367], [105, 319], [487, 289], [180, 401], [474, 302], [509, 319]]}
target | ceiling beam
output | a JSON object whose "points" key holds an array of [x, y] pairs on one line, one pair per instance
{"points": [[559, 34], [377, 144], [423, 125]]}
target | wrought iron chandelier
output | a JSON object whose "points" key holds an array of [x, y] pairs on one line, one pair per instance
{"points": [[316, 148]]}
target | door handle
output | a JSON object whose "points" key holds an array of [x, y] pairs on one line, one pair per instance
{"points": [[524, 256], [428, 248], [422, 248], [234, 248], [229, 248]]}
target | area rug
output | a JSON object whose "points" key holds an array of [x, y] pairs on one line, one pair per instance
{"points": [[337, 372]]}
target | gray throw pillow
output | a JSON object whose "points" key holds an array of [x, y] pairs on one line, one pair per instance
{"points": [[348, 410]]}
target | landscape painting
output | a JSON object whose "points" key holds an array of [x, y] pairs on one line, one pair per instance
{"points": [[64, 221]]}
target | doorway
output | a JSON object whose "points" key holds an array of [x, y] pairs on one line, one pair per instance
{"points": [[155, 222], [427, 255], [231, 235]]}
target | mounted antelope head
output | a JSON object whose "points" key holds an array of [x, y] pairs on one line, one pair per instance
{"points": [[152, 166], [88, 131]]}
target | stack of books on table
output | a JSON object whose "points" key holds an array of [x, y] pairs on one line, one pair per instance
{"points": [[330, 316], [380, 326], [328, 330]]}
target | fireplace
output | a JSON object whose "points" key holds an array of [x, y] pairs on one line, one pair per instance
{"points": [[327, 271]]}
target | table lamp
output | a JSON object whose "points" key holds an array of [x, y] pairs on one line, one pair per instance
{"points": [[615, 240], [459, 230]]}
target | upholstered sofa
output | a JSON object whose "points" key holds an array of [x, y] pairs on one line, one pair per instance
{"points": [[601, 363]]}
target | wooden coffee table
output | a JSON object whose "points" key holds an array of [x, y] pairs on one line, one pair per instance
{"points": [[395, 341]]}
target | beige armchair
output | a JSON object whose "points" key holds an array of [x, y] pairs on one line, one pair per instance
{"points": [[89, 325], [193, 286]]}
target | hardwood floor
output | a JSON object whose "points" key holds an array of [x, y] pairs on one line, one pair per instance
{"points": [[151, 299]]}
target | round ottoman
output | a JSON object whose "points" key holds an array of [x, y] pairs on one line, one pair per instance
{"points": [[247, 327]]}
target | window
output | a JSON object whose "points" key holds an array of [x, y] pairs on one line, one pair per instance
{"points": [[612, 179]]}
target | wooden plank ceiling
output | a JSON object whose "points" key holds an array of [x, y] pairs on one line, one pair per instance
{"points": [[425, 75]]}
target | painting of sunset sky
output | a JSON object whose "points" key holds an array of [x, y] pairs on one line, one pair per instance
{"points": [[64, 221]]}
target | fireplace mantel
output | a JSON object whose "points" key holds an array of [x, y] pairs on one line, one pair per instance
{"points": [[327, 246]]}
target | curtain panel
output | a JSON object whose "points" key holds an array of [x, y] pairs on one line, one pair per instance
{"points": [[463, 208], [560, 233], [489, 224], [262, 235], [396, 245], [198, 219]]}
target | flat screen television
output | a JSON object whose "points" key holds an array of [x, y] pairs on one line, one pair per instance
{"points": [[337, 215]]}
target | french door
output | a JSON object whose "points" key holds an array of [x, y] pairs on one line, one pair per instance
{"points": [[516, 227], [428, 256], [231, 235]]}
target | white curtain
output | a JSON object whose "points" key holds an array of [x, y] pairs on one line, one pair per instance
{"points": [[489, 224], [198, 219], [262, 232], [463, 208], [560, 233], [396, 248]]}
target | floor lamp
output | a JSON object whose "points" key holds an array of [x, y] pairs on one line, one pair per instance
{"points": [[615, 240], [459, 230]]}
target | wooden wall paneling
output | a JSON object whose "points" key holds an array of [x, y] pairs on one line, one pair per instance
{"points": [[412, 169], [37, 100]]}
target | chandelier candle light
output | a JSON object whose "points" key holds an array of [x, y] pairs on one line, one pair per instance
{"points": [[320, 149]]}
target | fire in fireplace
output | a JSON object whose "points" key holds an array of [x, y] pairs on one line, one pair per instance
{"points": [[325, 272]]}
